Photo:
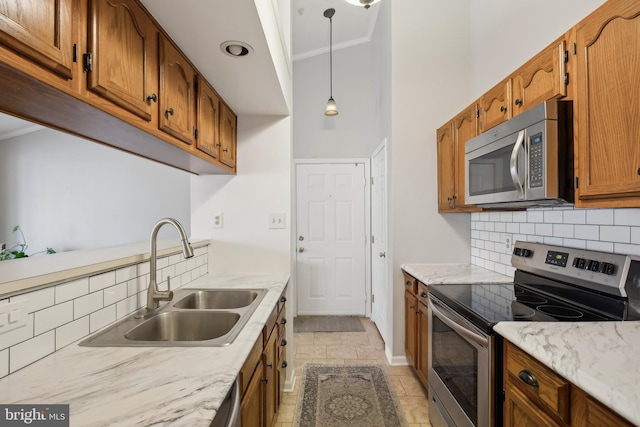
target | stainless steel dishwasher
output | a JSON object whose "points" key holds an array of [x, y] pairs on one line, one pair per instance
{"points": [[228, 414]]}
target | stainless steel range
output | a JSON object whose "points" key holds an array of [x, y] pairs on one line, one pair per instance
{"points": [[551, 284]]}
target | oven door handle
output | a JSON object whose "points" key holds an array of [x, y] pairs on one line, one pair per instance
{"points": [[458, 328], [513, 165]]}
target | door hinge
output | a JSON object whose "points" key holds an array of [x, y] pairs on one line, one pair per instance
{"points": [[195, 133], [75, 52], [373, 298], [373, 239], [577, 185], [566, 78], [566, 56], [477, 114], [575, 49], [87, 60], [371, 180]]}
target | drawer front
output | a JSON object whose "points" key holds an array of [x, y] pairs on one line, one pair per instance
{"points": [[410, 283], [549, 390], [270, 325]]}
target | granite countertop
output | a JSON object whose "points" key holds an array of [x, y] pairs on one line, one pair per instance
{"points": [[431, 274], [599, 357], [126, 386]]}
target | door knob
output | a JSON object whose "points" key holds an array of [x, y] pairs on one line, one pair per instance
{"points": [[300, 249], [383, 254], [301, 238]]}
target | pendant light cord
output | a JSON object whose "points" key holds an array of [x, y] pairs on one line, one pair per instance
{"points": [[331, 57]]}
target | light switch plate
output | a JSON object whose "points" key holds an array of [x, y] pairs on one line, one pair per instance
{"points": [[277, 220]]}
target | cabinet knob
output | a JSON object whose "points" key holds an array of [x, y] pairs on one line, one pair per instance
{"points": [[283, 299], [169, 112], [153, 97], [382, 254], [638, 171], [265, 380], [528, 378], [284, 364], [503, 109], [270, 365], [423, 294], [284, 343], [284, 321], [518, 101], [408, 283]]}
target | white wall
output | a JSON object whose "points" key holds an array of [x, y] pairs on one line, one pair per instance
{"points": [[506, 33], [262, 186], [430, 83], [69, 193], [350, 133]]}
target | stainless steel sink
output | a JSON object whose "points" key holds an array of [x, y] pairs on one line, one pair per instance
{"points": [[184, 326], [199, 318], [217, 299]]}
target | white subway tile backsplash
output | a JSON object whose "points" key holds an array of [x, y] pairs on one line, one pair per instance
{"points": [[535, 216], [527, 228], [623, 248], [494, 216], [574, 243], [620, 234], [600, 216], [37, 299], [102, 318], [513, 227], [490, 226], [594, 245], [102, 281], [52, 317], [557, 241], [506, 216], [87, 304], [552, 217], [627, 217], [520, 216], [574, 217], [587, 232], [29, 351], [71, 332], [62, 314], [635, 235], [500, 227], [544, 229], [563, 230], [115, 293]]}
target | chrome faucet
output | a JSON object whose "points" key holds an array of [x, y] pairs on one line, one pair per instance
{"points": [[154, 296]]}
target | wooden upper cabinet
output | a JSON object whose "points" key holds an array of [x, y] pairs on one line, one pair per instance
{"points": [[40, 30], [541, 78], [495, 106], [228, 137], [608, 106], [465, 127], [123, 46], [177, 76], [446, 167], [208, 119]]}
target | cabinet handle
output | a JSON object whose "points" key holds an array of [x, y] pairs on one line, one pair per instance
{"points": [[638, 171], [423, 294], [225, 150], [270, 365], [265, 380], [169, 112], [408, 283], [449, 199], [285, 364], [518, 101], [528, 378], [283, 299], [153, 97], [411, 307], [503, 109], [454, 197], [284, 342]]}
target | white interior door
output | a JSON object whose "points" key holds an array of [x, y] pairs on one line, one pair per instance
{"points": [[331, 234], [379, 305]]}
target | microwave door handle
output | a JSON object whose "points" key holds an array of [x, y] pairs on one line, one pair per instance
{"points": [[513, 164], [470, 335]]}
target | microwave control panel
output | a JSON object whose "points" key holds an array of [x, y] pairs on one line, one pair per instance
{"points": [[535, 161]]}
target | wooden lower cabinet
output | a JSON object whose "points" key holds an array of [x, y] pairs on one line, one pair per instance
{"points": [[536, 396], [410, 327], [422, 358], [270, 381], [416, 326], [251, 406]]}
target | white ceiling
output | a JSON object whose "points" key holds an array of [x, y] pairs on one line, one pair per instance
{"points": [[249, 85]]}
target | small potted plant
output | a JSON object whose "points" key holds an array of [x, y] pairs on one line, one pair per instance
{"points": [[19, 250]]}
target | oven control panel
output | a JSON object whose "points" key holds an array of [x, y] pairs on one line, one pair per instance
{"points": [[595, 270]]}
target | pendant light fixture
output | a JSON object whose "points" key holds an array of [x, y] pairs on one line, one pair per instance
{"points": [[331, 109], [366, 3]]}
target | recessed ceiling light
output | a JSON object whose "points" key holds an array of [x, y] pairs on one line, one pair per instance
{"points": [[236, 49]]}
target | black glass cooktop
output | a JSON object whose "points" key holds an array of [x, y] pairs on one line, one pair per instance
{"points": [[534, 300]]}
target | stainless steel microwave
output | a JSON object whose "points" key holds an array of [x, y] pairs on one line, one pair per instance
{"points": [[525, 161]]}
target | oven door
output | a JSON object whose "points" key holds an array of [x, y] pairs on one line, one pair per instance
{"points": [[461, 391]]}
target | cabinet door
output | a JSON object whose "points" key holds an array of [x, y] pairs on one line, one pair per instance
{"points": [[495, 106], [608, 108], [251, 406], [208, 120], [446, 167], [40, 30], [123, 46], [271, 383], [464, 128], [228, 137], [541, 78], [422, 367], [521, 412], [410, 309], [176, 93]]}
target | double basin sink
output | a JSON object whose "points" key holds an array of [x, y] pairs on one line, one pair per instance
{"points": [[194, 318]]}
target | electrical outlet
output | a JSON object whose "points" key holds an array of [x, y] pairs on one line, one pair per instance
{"points": [[507, 243], [277, 220], [218, 220]]}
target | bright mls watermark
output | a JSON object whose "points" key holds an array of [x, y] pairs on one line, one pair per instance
{"points": [[34, 415]]}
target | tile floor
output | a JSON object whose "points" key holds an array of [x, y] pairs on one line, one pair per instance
{"points": [[354, 347]]}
